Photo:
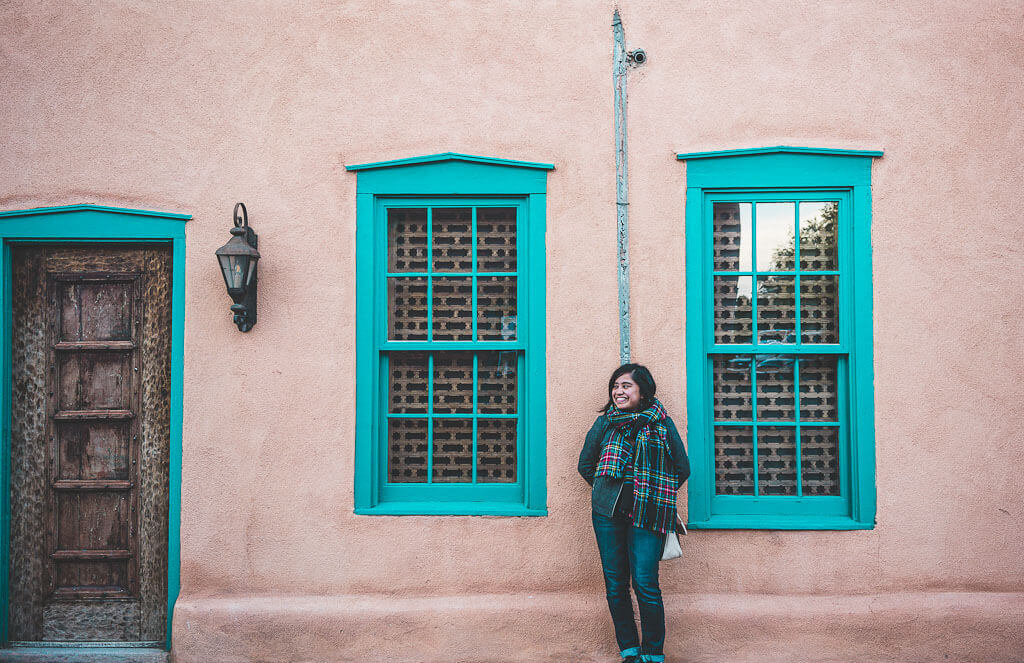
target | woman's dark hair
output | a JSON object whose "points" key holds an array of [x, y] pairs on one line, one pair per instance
{"points": [[643, 379]]}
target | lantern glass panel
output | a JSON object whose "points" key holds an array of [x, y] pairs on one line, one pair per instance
{"points": [[251, 271], [234, 268]]}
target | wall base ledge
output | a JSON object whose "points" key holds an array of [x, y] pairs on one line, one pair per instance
{"points": [[532, 627]]}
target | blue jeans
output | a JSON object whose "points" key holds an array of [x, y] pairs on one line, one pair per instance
{"points": [[631, 552]]}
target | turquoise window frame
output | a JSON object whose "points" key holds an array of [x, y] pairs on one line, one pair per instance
{"points": [[445, 180], [88, 224], [784, 174]]}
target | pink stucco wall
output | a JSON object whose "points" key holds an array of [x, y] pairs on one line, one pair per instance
{"points": [[191, 107]]}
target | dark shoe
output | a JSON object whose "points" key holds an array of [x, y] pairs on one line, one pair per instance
{"points": [[632, 659]]}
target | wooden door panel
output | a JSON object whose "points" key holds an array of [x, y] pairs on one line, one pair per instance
{"points": [[92, 520], [95, 311], [95, 576], [92, 469], [94, 380], [90, 621], [97, 451]]}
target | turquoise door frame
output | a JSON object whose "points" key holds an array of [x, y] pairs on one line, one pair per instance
{"points": [[94, 223]]}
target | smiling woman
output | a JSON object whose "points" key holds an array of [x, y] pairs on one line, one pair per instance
{"points": [[635, 461], [626, 392]]}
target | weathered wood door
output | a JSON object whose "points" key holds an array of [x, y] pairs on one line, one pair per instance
{"points": [[89, 442]]}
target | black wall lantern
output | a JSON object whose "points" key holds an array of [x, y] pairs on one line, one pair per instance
{"points": [[238, 260]]}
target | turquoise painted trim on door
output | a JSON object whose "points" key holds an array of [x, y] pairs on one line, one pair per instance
{"points": [[6, 313], [94, 223], [778, 174], [177, 390], [449, 180]]}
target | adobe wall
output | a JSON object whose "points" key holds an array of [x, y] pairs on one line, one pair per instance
{"points": [[191, 107]]}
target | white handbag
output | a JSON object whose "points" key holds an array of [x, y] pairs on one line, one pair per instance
{"points": [[672, 548]]}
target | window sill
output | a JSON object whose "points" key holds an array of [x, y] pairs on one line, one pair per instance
{"points": [[448, 509], [781, 522]]}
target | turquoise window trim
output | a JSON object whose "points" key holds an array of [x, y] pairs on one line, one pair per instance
{"points": [[451, 174], [95, 223], [778, 149], [450, 156], [445, 180], [779, 174]]}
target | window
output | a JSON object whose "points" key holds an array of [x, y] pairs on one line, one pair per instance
{"points": [[779, 372], [450, 338]]}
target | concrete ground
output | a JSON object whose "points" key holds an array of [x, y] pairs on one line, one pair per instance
{"points": [[82, 655]]}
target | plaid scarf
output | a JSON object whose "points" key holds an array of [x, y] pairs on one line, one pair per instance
{"points": [[643, 438]]}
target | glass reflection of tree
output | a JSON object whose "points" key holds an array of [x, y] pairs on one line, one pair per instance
{"points": [[777, 293], [817, 242]]}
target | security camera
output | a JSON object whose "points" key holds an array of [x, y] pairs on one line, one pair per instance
{"points": [[637, 57]]}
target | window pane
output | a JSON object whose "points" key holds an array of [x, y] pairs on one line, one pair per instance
{"points": [[733, 309], [496, 239], [776, 309], [732, 389], [819, 309], [819, 223], [407, 240], [776, 460], [453, 383], [496, 451], [819, 397], [734, 460], [407, 309], [496, 308], [407, 382], [776, 397], [776, 244], [453, 239], [407, 450], [496, 383], [733, 239], [453, 308], [453, 450], [819, 460]]}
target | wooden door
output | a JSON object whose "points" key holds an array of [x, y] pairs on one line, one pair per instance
{"points": [[89, 442]]}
